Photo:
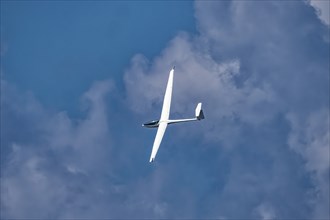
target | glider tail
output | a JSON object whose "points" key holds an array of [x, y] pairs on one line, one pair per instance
{"points": [[199, 115], [199, 112]]}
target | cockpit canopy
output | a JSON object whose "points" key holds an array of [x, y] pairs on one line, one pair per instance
{"points": [[151, 124]]}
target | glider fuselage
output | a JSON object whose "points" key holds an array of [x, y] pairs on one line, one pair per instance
{"points": [[151, 124], [155, 123]]}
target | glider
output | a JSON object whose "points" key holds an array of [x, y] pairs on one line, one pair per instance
{"points": [[164, 118]]}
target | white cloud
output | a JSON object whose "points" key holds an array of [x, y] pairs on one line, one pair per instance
{"points": [[262, 142], [310, 138], [72, 167], [250, 65], [46, 169], [266, 211], [322, 8], [198, 77]]}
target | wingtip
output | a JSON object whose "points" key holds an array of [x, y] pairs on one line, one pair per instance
{"points": [[152, 160]]}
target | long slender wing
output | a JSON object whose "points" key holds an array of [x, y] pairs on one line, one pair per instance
{"points": [[164, 116], [167, 98], [159, 136]]}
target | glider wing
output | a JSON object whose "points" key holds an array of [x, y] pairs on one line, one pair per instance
{"points": [[159, 136], [164, 116], [167, 98]]}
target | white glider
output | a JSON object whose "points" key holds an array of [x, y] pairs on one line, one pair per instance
{"points": [[164, 118]]}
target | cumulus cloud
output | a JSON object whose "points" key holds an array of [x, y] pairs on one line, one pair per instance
{"points": [[51, 154], [322, 9], [62, 167], [253, 65], [261, 72], [310, 138], [265, 211]]}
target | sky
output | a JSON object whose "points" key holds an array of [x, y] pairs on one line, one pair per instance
{"points": [[78, 78]]}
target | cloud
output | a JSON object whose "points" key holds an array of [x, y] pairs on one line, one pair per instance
{"points": [[50, 163], [261, 72], [310, 138], [322, 9], [266, 212], [60, 167]]}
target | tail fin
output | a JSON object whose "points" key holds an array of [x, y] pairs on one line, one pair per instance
{"points": [[199, 112]]}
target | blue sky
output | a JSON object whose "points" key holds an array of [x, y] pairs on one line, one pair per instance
{"points": [[79, 78], [65, 42]]}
